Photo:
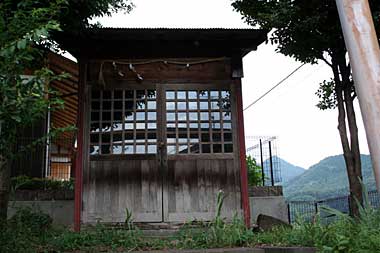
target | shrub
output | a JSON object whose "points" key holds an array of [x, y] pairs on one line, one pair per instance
{"points": [[25, 231], [30, 220], [255, 175], [28, 183]]}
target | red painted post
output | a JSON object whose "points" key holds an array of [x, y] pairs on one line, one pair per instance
{"points": [[243, 164], [79, 154]]}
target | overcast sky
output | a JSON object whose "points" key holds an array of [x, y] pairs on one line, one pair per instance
{"points": [[306, 134]]}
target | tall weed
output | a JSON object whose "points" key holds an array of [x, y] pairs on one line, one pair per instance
{"points": [[345, 235], [216, 233]]}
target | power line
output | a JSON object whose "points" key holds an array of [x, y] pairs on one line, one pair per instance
{"points": [[274, 87]]}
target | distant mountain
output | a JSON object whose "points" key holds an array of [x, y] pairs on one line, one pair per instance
{"points": [[326, 179], [288, 170]]}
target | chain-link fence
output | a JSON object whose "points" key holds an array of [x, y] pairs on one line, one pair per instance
{"points": [[307, 210], [43, 157], [264, 149]]}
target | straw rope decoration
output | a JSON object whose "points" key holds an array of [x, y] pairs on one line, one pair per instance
{"points": [[139, 77]]}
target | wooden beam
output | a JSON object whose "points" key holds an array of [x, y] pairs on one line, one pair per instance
{"points": [[363, 49], [243, 164]]}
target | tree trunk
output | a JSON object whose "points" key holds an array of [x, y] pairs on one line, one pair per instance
{"points": [[351, 151], [355, 179], [5, 185]]}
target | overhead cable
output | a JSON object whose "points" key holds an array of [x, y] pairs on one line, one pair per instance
{"points": [[274, 87]]}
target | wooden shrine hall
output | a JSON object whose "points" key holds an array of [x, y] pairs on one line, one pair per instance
{"points": [[160, 123]]}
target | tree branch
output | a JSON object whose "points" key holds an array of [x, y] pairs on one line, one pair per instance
{"points": [[326, 61]]}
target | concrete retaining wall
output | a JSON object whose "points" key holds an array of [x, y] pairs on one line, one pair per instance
{"points": [[263, 200], [61, 211], [267, 200]]}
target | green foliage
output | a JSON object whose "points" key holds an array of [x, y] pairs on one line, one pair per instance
{"points": [[28, 183], [25, 231], [128, 219], [343, 236], [306, 30], [34, 222], [216, 233], [310, 31], [96, 239], [31, 232], [327, 96], [25, 35], [255, 175], [79, 13], [24, 99], [347, 234]]}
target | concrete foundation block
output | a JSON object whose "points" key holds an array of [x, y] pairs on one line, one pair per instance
{"points": [[274, 206]]}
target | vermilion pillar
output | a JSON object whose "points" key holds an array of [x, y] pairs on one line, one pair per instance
{"points": [[79, 155], [243, 164]]}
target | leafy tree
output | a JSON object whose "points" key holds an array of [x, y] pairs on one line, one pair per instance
{"points": [[255, 175], [25, 35], [309, 31]]}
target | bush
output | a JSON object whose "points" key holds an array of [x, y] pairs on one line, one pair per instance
{"points": [[28, 183], [25, 231], [34, 222], [30, 231], [255, 175], [342, 236]]}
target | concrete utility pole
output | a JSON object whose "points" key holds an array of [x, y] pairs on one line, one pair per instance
{"points": [[363, 48]]}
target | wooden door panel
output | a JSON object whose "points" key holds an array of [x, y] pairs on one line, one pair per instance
{"points": [[117, 185], [123, 168], [201, 155], [193, 185]]}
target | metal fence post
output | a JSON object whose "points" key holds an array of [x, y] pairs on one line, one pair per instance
{"points": [[262, 163], [289, 214], [271, 162]]}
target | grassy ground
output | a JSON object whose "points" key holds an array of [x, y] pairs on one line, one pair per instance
{"points": [[32, 232], [27, 231]]}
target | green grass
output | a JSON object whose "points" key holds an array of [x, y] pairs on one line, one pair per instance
{"points": [[345, 235], [28, 231]]}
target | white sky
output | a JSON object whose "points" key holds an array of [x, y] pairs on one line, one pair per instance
{"points": [[306, 134]]}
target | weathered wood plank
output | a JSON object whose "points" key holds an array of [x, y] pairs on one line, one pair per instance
{"points": [[195, 187], [218, 70]]}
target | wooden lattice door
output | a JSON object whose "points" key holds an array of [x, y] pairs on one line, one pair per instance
{"points": [[200, 159], [123, 171], [163, 152]]}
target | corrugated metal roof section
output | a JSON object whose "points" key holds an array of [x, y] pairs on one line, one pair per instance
{"points": [[173, 29], [173, 34], [176, 28], [161, 42]]}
